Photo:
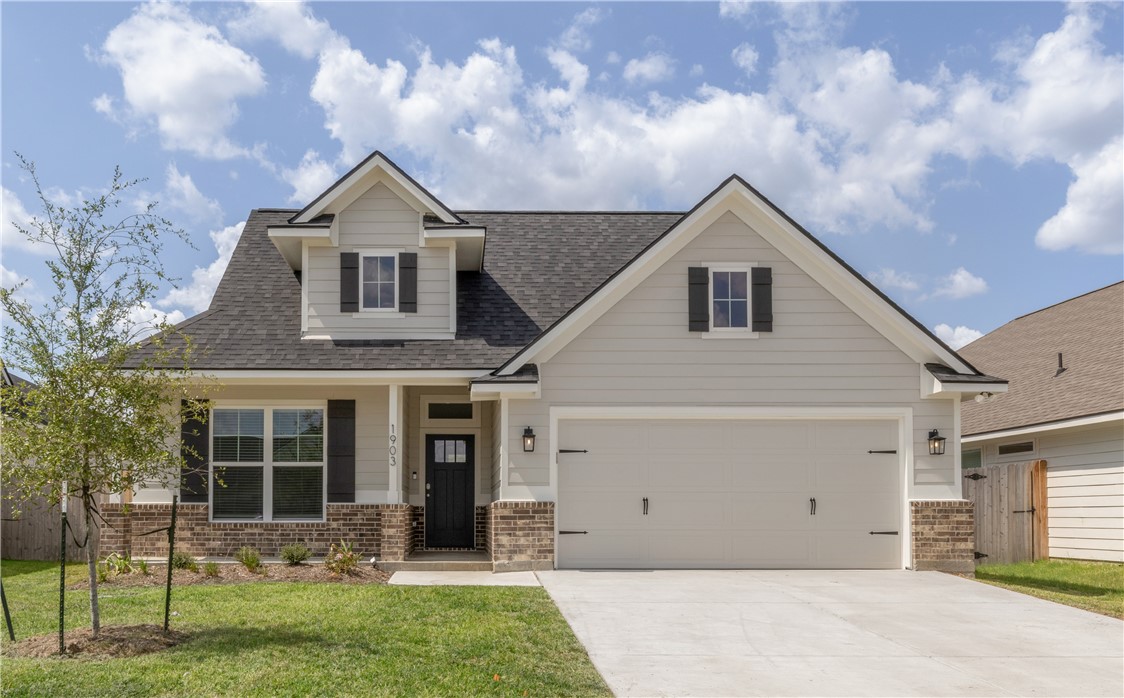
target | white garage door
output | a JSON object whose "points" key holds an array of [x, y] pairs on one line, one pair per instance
{"points": [[713, 494]]}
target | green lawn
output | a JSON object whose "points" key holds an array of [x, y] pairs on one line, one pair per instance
{"points": [[1093, 586], [284, 639]]}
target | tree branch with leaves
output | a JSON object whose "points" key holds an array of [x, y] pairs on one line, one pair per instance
{"points": [[94, 420]]}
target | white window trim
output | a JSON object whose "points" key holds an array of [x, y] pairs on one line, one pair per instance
{"points": [[267, 463], [387, 312], [730, 332], [1015, 457], [427, 400]]}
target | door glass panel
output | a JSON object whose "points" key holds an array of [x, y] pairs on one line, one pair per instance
{"points": [[438, 451], [460, 451]]}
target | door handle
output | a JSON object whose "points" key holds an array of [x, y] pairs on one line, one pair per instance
{"points": [[645, 506], [812, 502]]}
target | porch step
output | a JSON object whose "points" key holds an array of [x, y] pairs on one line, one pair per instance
{"points": [[440, 561]]}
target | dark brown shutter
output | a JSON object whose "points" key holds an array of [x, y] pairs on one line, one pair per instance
{"points": [[698, 299], [349, 282], [762, 299], [341, 450], [195, 433], [408, 282]]}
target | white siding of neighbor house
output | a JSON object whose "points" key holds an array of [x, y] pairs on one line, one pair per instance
{"points": [[1085, 487], [819, 354], [371, 429], [378, 219]]}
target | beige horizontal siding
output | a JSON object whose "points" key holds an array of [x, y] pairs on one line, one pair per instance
{"points": [[377, 219], [820, 353]]}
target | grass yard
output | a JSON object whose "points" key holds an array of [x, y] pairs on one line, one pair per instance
{"points": [[285, 639], [1093, 586]]}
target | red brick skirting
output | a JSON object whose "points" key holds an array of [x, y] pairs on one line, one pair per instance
{"points": [[373, 529], [944, 535], [521, 535]]}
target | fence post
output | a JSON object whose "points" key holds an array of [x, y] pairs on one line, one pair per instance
{"points": [[7, 614], [171, 554], [62, 574], [1041, 526]]}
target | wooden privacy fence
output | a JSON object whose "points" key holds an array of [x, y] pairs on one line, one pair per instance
{"points": [[35, 534], [1011, 515]]}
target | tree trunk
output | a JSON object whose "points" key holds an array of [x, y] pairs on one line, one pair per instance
{"points": [[92, 538]]}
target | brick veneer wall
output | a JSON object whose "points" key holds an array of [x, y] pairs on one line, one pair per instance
{"points": [[373, 529], [521, 535], [943, 534]]}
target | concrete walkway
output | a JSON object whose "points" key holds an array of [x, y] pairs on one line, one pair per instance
{"points": [[457, 578], [833, 633]]}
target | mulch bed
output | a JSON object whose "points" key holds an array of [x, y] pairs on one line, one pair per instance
{"points": [[112, 641], [238, 574]]}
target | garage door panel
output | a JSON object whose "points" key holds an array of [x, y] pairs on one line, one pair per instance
{"points": [[600, 509], [775, 549], [603, 549], [684, 549], [729, 494], [850, 549], [687, 510], [771, 473], [771, 511]]}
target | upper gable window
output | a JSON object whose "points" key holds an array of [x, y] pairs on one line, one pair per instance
{"points": [[378, 281], [729, 299]]}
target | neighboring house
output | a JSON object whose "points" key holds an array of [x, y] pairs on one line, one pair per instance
{"points": [[1065, 406], [575, 389]]}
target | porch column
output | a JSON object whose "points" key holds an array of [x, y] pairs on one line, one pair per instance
{"points": [[395, 441]]}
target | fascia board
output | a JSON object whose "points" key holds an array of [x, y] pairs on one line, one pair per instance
{"points": [[1073, 423]]}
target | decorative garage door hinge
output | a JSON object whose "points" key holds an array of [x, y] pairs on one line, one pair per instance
{"points": [[883, 533], [893, 451], [572, 450], [572, 533]]}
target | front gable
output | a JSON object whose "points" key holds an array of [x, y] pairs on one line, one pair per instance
{"points": [[735, 199]]}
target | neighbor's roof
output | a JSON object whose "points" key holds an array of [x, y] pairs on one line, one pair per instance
{"points": [[1088, 331], [537, 266]]}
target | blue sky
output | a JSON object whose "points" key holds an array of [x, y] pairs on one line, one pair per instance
{"points": [[967, 157]]}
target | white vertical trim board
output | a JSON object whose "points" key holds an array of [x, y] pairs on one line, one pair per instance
{"points": [[396, 406]]}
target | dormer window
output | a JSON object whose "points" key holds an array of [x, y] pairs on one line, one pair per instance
{"points": [[377, 281]]}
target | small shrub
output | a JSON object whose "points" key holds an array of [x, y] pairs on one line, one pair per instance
{"points": [[211, 569], [183, 561], [341, 559], [141, 566], [249, 557], [295, 554], [116, 564]]}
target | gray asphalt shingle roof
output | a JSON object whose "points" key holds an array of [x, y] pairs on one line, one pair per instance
{"points": [[537, 265], [1089, 333]]}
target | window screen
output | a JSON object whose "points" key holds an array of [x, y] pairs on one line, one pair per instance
{"points": [[298, 492], [971, 459], [298, 436], [239, 436]]}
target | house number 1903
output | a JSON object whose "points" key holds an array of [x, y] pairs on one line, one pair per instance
{"points": [[393, 447]]}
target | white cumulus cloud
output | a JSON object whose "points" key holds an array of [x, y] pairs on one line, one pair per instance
{"points": [[13, 212], [959, 284], [196, 296], [654, 67], [886, 278], [181, 194], [576, 36], [182, 76], [745, 58], [310, 178], [958, 336], [1091, 220], [290, 23]]}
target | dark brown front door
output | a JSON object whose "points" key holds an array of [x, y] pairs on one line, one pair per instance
{"points": [[450, 520]]}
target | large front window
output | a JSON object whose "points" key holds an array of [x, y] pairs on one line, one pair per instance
{"points": [[268, 464]]}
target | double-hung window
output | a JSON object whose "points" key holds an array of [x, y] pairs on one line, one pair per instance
{"points": [[729, 299], [268, 464], [377, 278]]}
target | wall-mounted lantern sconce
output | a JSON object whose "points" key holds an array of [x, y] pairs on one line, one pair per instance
{"points": [[983, 397], [528, 440], [936, 443]]}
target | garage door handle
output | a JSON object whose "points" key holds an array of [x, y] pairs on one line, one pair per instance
{"points": [[572, 533], [645, 506], [883, 533]]}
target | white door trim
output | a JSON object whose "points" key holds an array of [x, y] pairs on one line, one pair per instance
{"points": [[902, 415]]}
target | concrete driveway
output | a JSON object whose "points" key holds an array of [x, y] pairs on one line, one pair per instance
{"points": [[833, 633]]}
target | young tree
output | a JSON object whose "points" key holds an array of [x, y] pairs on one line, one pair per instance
{"points": [[88, 422]]}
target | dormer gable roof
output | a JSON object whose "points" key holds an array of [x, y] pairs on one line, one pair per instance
{"points": [[349, 187]]}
